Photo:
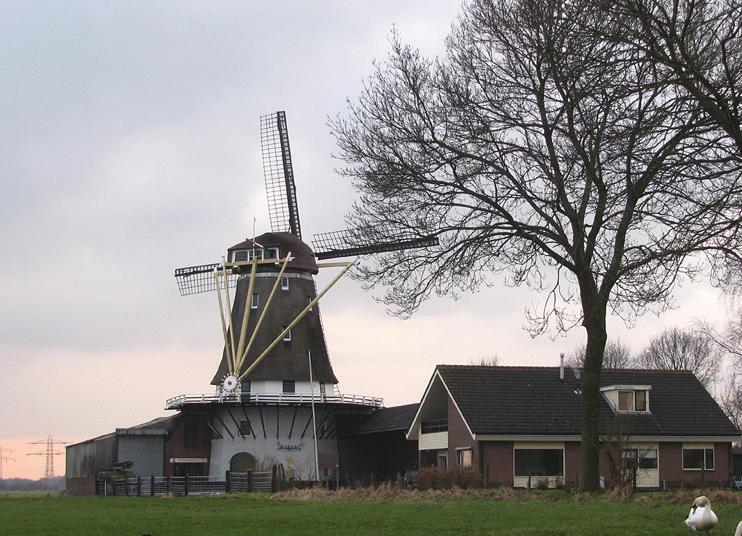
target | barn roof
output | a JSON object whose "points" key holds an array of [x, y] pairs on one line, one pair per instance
{"points": [[533, 401], [387, 420]]}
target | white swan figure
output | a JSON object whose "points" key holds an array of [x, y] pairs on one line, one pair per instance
{"points": [[702, 519]]}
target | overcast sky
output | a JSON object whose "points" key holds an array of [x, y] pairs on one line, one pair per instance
{"points": [[129, 146]]}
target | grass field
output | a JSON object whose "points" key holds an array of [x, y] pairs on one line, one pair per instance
{"points": [[262, 515]]}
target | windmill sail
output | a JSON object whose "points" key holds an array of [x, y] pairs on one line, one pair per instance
{"points": [[353, 242], [279, 174], [198, 279]]}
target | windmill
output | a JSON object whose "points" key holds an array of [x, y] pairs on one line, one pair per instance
{"points": [[258, 266]]}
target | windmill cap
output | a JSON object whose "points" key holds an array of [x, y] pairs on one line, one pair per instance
{"points": [[303, 256]]}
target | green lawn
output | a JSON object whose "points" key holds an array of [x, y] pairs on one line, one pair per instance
{"points": [[243, 515]]}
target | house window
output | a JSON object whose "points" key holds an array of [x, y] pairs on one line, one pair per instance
{"points": [[443, 460], [287, 335], [464, 457], [697, 459], [255, 301], [626, 400], [284, 283], [640, 458], [434, 425], [190, 434], [640, 401], [632, 400], [245, 428], [539, 462], [289, 386]]}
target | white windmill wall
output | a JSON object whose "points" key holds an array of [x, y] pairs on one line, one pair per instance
{"points": [[296, 453]]}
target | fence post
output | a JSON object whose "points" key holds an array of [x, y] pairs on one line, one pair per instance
{"points": [[152, 485], [113, 486], [249, 481], [126, 487], [167, 485], [227, 487], [273, 479], [139, 486], [185, 487]]}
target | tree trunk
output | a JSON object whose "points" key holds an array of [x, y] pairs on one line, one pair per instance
{"points": [[594, 322]]}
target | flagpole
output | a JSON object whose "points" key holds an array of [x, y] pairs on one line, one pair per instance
{"points": [[314, 419]]}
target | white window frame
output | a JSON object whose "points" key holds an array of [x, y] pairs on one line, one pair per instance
{"points": [[460, 452], [287, 335], [632, 409], [255, 302], [284, 283], [703, 448]]}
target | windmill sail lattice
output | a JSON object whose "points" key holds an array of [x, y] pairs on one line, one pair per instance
{"points": [[353, 242], [279, 174], [198, 279]]}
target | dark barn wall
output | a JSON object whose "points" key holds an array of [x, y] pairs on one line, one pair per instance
{"points": [[376, 457], [175, 446]]}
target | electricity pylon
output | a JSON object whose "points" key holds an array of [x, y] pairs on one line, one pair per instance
{"points": [[49, 453], [4, 458]]}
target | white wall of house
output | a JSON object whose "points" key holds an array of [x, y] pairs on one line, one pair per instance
{"points": [[433, 441]]}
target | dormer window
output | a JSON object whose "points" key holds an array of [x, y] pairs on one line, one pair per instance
{"points": [[628, 398]]}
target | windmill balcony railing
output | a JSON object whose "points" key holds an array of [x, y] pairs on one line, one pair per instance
{"points": [[272, 399]]}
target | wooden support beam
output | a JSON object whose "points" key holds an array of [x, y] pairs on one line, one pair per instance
{"points": [[293, 322], [309, 421], [243, 356], [224, 425], [237, 425], [291, 430], [230, 359], [262, 423], [246, 314]]}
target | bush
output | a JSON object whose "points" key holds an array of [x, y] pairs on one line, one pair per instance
{"points": [[454, 477]]}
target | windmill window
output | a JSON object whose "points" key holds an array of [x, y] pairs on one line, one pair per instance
{"points": [[285, 283], [241, 255], [322, 387], [255, 301], [245, 428], [287, 335], [289, 386], [270, 253]]}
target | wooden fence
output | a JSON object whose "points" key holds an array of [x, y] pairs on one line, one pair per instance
{"points": [[181, 486]]}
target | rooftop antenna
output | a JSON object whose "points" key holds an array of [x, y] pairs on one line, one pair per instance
{"points": [[4, 459], [49, 453]]}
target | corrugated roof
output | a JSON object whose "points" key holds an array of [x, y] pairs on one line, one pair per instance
{"points": [[533, 401]]}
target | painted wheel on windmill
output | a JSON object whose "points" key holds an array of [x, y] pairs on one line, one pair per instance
{"points": [[230, 384]]}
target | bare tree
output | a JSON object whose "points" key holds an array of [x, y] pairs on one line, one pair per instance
{"points": [[696, 45], [728, 336], [486, 361], [675, 349], [544, 151], [730, 400], [616, 355]]}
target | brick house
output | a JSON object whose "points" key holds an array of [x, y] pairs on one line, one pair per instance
{"points": [[516, 423]]}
